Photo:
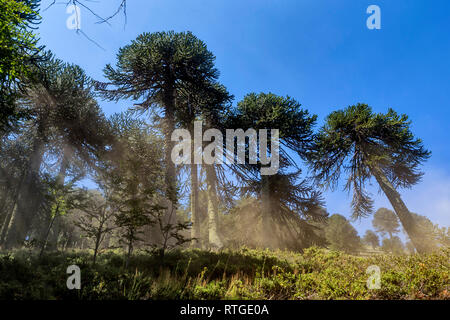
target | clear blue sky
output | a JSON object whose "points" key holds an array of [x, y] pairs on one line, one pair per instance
{"points": [[319, 52]]}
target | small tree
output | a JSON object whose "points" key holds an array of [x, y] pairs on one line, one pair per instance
{"points": [[385, 221], [131, 221], [341, 235], [96, 220], [371, 239], [172, 233]]}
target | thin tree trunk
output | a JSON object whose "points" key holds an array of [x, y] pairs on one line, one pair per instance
{"points": [[97, 245], [400, 208], [44, 243], [130, 251], [211, 178]]}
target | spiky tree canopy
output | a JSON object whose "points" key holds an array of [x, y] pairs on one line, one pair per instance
{"points": [[356, 138], [157, 62], [269, 111]]}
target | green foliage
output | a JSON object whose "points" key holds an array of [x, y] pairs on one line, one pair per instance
{"points": [[18, 50], [131, 177], [240, 274]]}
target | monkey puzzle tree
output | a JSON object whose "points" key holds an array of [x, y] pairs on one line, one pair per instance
{"points": [[385, 221], [154, 68], [371, 239], [364, 144], [283, 197], [63, 118], [341, 235]]}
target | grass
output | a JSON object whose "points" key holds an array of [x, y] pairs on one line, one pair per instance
{"points": [[228, 274]]}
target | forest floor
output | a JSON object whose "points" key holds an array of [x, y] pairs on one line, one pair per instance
{"points": [[228, 274]]}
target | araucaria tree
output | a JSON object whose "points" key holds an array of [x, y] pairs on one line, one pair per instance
{"points": [[341, 235], [287, 202], [364, 144], [154, 68], [65, 122], [385, 221], [371, 239]]}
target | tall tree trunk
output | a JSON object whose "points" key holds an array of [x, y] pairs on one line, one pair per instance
{"points": [[195, 218], [211, 179], [266, 213], [400, 208], [27, 202], [195, 231], [170, 175]]}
